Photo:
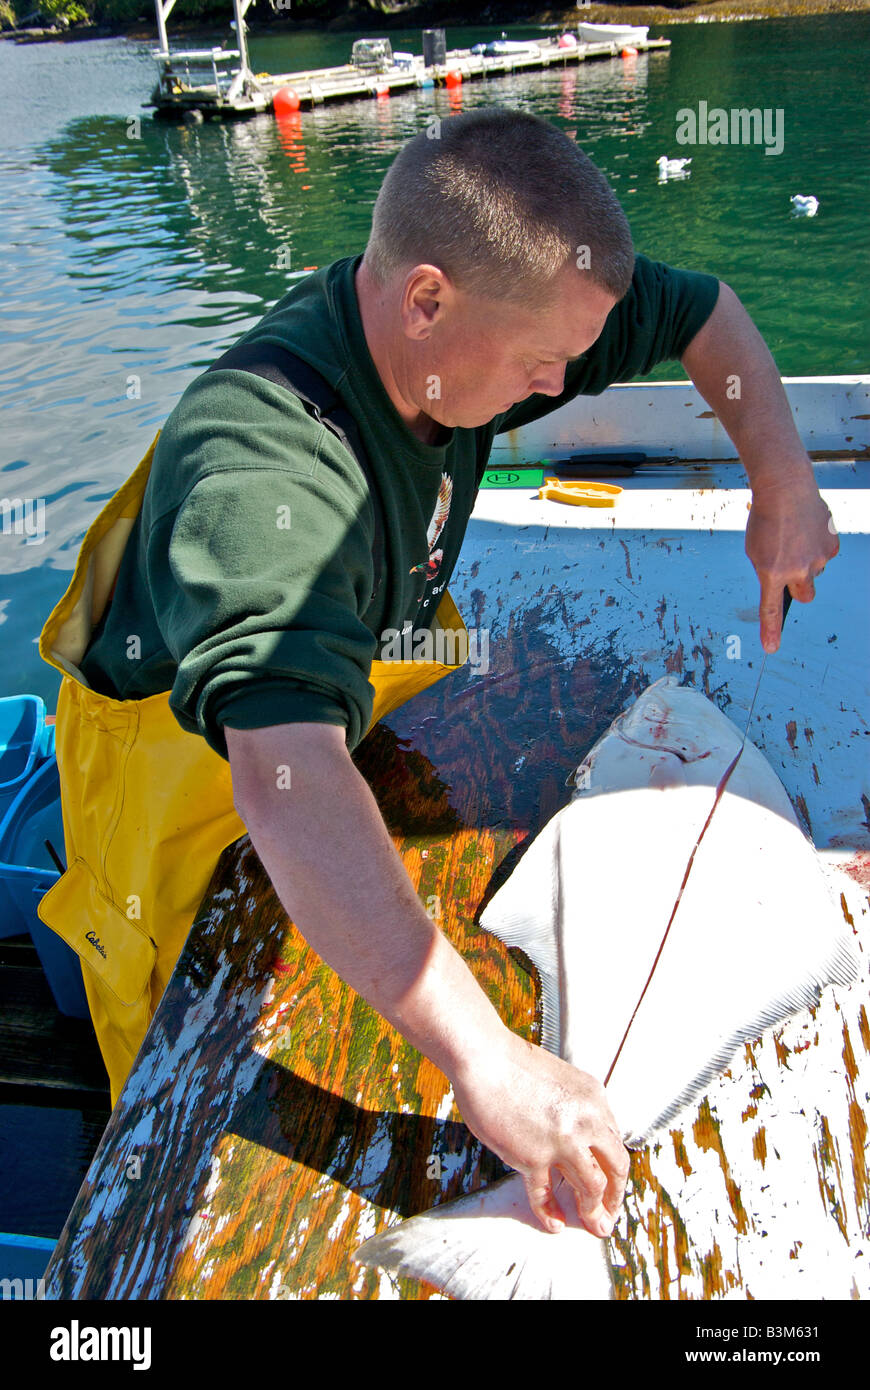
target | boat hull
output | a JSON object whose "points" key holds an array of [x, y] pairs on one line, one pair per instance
{"points": [[279, 1122], [612, 33]]}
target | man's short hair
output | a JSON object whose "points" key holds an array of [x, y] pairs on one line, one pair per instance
{"points": [[501, 201]]}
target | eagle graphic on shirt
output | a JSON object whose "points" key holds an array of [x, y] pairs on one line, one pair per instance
{"points": [[432, 563]]}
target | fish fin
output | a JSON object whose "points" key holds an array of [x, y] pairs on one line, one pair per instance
{"points": [[841, 969], [524, 914], [488, 1246], [836, 964]]}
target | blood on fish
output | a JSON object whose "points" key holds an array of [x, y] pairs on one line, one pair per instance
{"points": [[683, 756], [719, 790]]}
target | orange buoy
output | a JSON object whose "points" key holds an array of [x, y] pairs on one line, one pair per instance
{"points": [[629, 53], [454, 78], [285, 101], [383, 90]]}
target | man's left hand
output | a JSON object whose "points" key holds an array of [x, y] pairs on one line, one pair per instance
{"points": [[790, 537]]}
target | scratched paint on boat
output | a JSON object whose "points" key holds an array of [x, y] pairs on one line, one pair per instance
{"points": [[762, 1192], [464, 775]]}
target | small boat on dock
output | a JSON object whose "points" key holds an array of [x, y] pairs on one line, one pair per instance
{"points": [[274, 1121], [218, 82], [617, 34]]}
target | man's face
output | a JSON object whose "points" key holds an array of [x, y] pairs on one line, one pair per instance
{"points": [[473, 358]]}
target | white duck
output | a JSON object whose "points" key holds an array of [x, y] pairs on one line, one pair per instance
{"points": [[672, 168], [804, 205]]}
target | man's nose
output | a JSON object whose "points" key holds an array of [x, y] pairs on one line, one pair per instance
{"points": [[549, 380]]}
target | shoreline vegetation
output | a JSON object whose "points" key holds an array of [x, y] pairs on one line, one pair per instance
{"points": [[33, 21]]}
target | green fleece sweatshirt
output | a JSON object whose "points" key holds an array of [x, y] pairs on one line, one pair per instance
{"points": [[247, 578]]}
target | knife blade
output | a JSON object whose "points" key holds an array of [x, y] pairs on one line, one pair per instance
{"points": [[786, 605]]}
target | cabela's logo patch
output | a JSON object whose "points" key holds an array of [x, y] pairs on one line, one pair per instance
{"points": [[96, 943]]}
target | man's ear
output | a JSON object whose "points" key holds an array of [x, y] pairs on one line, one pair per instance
{"points": [[428, 296]]}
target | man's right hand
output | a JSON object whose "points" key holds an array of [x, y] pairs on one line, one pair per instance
{"points": [[543, 1117], [323, 843]]}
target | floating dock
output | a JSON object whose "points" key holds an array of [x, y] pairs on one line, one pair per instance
{"points": [[201, 83], [347, 84]]}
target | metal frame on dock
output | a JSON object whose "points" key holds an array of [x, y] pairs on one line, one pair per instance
{"points": [[236, 93]]}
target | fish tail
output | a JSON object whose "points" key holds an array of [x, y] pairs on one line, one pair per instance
{"points": [[489, 1246]]}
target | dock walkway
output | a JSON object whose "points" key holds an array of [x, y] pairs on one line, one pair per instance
{"points": [[315, 86]]}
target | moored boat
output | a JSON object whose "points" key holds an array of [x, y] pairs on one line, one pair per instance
{"points": [[612, 33], [499, 48]]}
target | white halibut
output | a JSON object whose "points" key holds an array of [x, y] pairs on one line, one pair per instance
{"points": [[754, 935]]}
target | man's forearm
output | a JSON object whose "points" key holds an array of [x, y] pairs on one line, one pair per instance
{"points": [[790, 535], [731, 366], [330, 858], [332, 862]]}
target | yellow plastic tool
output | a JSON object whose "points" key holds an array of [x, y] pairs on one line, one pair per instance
{"points": [[578, 492]]}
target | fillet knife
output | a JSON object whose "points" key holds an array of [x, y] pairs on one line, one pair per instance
{"points": [[786, 605]]}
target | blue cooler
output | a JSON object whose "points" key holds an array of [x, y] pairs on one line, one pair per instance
{"points": [[27, 871], [24, 1258], [25, 741]]}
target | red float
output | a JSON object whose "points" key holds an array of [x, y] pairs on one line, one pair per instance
{"points": [[285, 101]]}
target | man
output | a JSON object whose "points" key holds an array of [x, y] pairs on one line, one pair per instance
{"points": [[499, 281]]}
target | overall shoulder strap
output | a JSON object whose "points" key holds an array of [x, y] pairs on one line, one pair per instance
{"points": [[277, 364]]}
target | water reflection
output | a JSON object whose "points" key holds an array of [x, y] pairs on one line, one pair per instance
{"points": [[129, 264], [204, 204]]}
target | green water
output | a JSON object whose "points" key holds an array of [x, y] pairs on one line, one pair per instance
{"points": [[143, 257]]}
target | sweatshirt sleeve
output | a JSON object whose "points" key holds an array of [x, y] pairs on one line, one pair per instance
{"points": [[260, 576], [654, 322]]}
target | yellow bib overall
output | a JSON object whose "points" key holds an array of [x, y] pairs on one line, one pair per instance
{"points": [[147, 806]]}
